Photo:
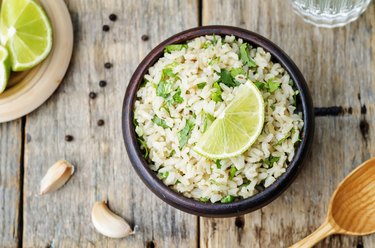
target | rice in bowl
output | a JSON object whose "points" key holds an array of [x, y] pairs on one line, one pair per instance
{"points": [[186, 89]]}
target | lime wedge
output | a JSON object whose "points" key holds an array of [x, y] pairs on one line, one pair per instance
{"points": [[4, 68], [26, 31], [237, 128]]}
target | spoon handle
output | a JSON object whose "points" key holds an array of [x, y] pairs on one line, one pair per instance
{"points": [[322, 232]]}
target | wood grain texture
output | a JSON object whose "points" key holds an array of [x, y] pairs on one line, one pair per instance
{"points": [[10, 175], [338, 65], [103, 171]]}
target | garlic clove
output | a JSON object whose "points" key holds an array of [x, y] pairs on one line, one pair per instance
{"points": [[108, 223], [57, 175]]}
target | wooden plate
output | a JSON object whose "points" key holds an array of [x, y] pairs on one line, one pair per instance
{"points": [[28, 90]]}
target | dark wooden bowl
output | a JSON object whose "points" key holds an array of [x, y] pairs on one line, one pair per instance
{"points": [[149, 177]]}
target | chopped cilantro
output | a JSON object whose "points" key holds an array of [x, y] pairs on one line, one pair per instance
{"points": [[214, 40], [260, 85], [204, 199], [159, 122], [214, 60], [144, 82], [232, 172], [245, 56], [207, 122], [271, 160], [207, 44], [201, 85], [163, 175], [216, 95], [177, 96], [164, 89], [172, 153], [227, 79], [237, 71], [144, 147], [168, 73], [164, 106], [218, 165], [184, 134], [175, 47], [272, 85], [283, 139], [228, 199]]}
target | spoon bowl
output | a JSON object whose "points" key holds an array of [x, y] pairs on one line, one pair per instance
{"points": [[353, 204], [352, 207]]}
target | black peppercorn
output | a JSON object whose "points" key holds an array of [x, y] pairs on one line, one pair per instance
{"points": [[69, 138], [145, 37], [108, 65], [92, 95], [105, 28], [102, 83], [100, 122], [113, 17]]}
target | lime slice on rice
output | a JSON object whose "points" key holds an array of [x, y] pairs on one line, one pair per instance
{"points": [[26, 32], [237, 128], [4, 68]]}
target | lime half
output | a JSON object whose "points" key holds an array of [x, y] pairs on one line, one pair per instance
{"points": [[26, 31], [4, 68], [237, 128]]}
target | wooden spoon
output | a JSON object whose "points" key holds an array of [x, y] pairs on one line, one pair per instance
{"points": [[352, 207]]}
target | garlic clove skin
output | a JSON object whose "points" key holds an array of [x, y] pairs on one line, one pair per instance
{"points": [[108, 223], [56, 176]]}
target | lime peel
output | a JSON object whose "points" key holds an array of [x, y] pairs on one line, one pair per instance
{"points": [[4, 68]]}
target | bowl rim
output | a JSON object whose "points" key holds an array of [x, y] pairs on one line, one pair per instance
{"points": [[190, 205]]}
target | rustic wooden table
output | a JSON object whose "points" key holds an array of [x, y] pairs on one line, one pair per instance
{"points": [[337, 63]]}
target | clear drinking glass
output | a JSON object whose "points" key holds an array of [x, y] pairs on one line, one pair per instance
{"points": [[330, 13]]}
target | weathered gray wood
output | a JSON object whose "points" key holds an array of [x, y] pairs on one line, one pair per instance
{"points": [[103, 171], [338, 65], [10, 169]]}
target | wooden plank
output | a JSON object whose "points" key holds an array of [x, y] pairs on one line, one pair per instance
{"points": [[103, 171], [338, 65], [10, 176]]}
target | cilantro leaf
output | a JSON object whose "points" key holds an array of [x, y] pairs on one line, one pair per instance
{"points": [[272, 85], [260, 85], [163, 175], [226, 78], [218, 165], [228, 199], [237, 71], [159, 122], [216, 95], [214, 40], [245, 56], [232, 172], [177, 96], [207, 122], [175, 47], [184, 134], [168, 73], [144, 146], [214, 60], [207, 44], [163, 89], [271, 160], [201, 85], [204, 199]]}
